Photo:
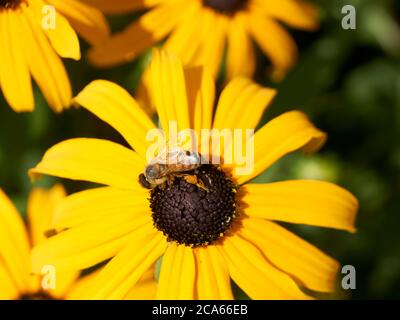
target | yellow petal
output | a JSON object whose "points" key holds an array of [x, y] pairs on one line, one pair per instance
{"points": [[274, 40], [41, 205], [64, 282], [295, 13], [145, 288], [115, 106], [88, 21], [289, 253], [186, 38], [89, 244], [62, 36], [14, 244], [212, 280], [200, 88], [284, 134], [242, 104], [168, 90], [122, 273], [81, 288], [142, 95], [254, 274], [15, 80], [177, 275], [94, 160], [90, 205], [316, 203], [214, 33], [139, 36], [240, 60], [121, 6], [45, 65], [8, 287]]}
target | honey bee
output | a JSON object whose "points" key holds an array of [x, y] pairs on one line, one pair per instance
{"points": [[169, 163]]}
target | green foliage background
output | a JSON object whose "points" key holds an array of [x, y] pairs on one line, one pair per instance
{"points": [[347, 81]]}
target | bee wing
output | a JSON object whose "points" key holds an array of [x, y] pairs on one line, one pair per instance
{"points": [[172, 150], [182, 157], [175, 151], [195, 158], [186, 140], [161, 157], [168, 155]]}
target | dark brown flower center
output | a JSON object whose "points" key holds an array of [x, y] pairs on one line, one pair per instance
{"points": [[9, 4], [225, 6], [196, 208], [41, 295]]}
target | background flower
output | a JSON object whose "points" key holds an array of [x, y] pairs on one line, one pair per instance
{"points": [[16, 278], [17, 281], [27, 48], [200, 30]]}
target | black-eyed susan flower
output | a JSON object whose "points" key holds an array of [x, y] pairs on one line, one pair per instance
{"points": [[210, 225], [200, 30], [16, 279], [34, 34]]}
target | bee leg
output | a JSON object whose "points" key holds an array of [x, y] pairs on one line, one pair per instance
{"points": [[169, 182]]}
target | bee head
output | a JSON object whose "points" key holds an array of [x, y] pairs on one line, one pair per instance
{"points": [[152, 171], [143, 181]]}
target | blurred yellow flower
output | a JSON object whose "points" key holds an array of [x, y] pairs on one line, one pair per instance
{"points": [[16, 279], [34, 34], [199, 30], [208, 232]]}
